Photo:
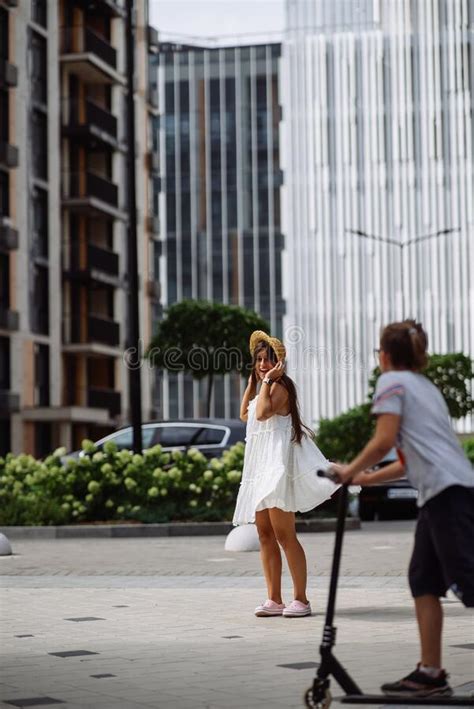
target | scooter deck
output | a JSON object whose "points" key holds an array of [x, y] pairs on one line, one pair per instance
{"points": [[447, 701]]}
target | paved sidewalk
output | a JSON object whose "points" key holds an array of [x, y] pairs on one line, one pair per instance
{"points": [[168, 623]]}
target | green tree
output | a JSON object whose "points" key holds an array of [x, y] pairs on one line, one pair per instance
{"points": [[342, 437], [452, 374], [204, 339]]}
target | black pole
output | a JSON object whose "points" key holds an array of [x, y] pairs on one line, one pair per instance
{"points": [[134, 371]]}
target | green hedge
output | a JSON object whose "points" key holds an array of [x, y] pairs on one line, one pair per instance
{"points": [[119, 485], [468, 445], [343, 437]]}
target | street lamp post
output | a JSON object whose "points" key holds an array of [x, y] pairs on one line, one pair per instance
{"points": [[133, 322], [401, 245]]}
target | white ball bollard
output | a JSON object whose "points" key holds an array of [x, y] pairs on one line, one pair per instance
{"points": [[243, 538], [5, 546]]}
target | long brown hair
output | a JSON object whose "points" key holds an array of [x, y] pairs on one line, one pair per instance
{"points": [[299, 429], [406, 344]]}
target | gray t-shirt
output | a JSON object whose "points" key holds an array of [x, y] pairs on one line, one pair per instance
{"points": [[434, 459]]}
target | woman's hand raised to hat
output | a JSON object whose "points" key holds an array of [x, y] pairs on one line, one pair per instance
{"points": [[277, 372]]}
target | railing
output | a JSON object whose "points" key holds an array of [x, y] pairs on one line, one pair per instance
{"points": [[78, 39], [9, 155], [102, 330], [87, 113], [9, 319], [103, 259], [9, 401], [89, 184], [102, 118], [104, 399], [110, 7], [8, 237]]}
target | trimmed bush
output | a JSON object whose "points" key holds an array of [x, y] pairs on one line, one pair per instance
{"points": [[112, 485], [468, 446], [343, 437]]}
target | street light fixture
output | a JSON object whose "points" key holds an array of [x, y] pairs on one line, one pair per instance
{"points": [[401, 245]]}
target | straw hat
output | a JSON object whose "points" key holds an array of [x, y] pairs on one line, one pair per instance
{"points": [[277, 346]]}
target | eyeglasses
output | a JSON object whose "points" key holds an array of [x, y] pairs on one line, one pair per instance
{"points": [[376, 351]]}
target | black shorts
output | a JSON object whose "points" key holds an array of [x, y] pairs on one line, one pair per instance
{"points": [[443, 555]]}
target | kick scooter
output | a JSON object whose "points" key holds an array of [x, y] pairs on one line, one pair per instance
{"points": [[319, 694]]}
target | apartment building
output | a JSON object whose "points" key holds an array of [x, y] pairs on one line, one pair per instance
{"points": [[63, 223]]}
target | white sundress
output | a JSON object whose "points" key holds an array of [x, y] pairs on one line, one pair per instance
{"points": [[279, 472]]}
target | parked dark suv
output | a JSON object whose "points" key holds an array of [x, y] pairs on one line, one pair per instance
{"points": [[211, 436], [395, 499]]}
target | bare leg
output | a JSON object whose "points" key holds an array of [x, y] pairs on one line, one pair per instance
{"points": [[429, 614], [283, 524], [270, 555]]}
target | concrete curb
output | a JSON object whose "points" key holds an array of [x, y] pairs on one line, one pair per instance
{"points": [[173, 529]]}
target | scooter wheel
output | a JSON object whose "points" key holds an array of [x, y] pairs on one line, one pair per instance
{"points": [[324, 703]]}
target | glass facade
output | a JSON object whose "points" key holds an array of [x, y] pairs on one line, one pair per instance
{"points": [[378, 208], [221, 181]]}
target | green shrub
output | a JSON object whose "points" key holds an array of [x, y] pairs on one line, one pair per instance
{"points": [[452, 373], [113, 485], [341, 438], [468, 446]]}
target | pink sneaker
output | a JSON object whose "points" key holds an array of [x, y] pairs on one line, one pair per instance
{"points": [[297, 609], [269, 608]]}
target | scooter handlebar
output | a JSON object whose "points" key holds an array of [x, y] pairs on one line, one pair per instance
{"points": [[329, 473]]}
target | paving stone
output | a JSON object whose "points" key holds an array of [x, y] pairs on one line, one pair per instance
{"points": [[33, 702], [300, 665], [84, 619], [72, 653]]}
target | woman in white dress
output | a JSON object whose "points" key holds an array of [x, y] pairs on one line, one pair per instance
{"points": [[280, 473]]}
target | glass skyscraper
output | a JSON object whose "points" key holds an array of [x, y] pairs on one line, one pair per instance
{"points": [[377, 208], [220, 194]]}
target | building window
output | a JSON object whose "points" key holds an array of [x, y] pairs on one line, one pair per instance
{"points": [[4, 363], [39, 12], [39, 68], [4, 281], [41, 375], [39, 144], [4, 195], [40, 301], [40, 223]]}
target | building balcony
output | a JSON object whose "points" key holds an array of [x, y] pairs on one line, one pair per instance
{"points": [[89, 55], [9, 402], [9, 319], [8, 236], [102, 260], [91, 124], [153, 290], [109, 8], [153, 161], [104, 399], [92, 194], [104, 331], [153, 224], [153, 42], [8, 74], [153, 98], [102, 265], [8, 155], [94, 335]]}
